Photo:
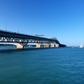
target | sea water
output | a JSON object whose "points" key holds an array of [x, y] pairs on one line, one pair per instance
{"points": [[43, 66]]}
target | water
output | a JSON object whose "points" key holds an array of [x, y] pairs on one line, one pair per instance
{"points": [[48, 66]]}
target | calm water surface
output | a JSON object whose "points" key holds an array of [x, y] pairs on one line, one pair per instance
{"points": [[48, 66]]}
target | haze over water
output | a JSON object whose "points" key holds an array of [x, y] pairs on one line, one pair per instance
{"points": [[44, 66]]}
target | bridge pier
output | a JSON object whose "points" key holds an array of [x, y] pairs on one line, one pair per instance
{"points": [[42, 45], [52, 45], [38, 45], [56, 45], [19, 46], [47, 45]]}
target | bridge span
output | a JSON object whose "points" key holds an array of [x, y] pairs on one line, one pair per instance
{"points": [[22, 40]]}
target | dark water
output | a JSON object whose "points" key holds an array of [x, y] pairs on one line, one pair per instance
{"points": [[48, 66]]}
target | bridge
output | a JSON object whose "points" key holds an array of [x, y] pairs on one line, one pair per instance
{"points": [[22, 40]]}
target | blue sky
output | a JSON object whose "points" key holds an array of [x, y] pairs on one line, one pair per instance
{"points": [[63, 19]]}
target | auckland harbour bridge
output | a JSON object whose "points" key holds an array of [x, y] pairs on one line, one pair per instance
{"points": [[22, 40]]}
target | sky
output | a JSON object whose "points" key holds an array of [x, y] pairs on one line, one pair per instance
{"points": [[63, 19]]}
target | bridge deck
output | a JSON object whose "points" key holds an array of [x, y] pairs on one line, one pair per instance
{"points": [[24, 36]]}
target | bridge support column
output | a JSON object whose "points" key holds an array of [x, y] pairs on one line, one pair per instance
{"points": [[42, 45], [56, 45], [38, 45], [46, 45], [52, 45], [19, 46]]}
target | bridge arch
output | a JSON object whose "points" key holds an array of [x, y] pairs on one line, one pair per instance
{"points": [[18, 45]]}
